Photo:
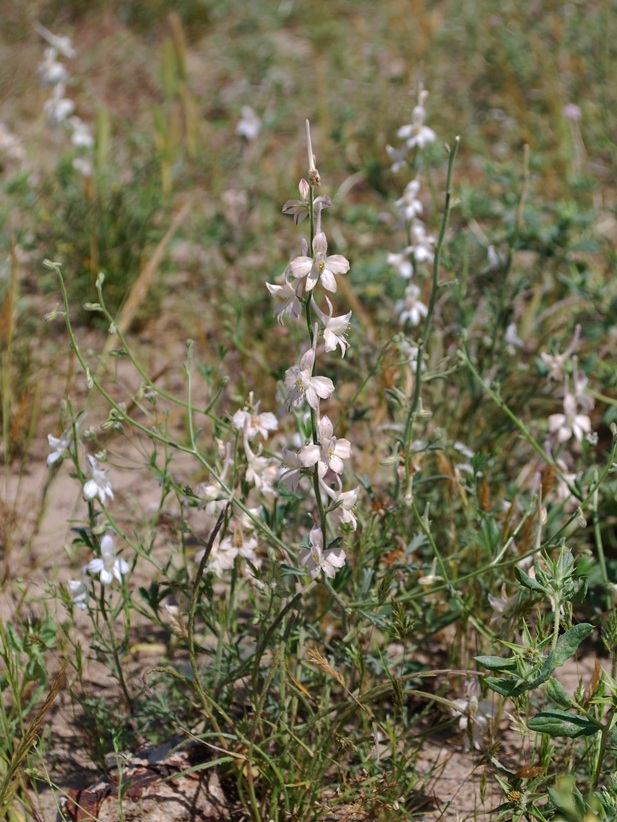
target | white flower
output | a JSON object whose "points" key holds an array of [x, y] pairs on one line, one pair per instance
{"points": [[410, 352], [409, 204], [556, 362], [286, 299], [81, 136], [511, 337], [60, 446], [108, 565], [78, 592], [322, 267], [410, 309], [99, 486], [397, 156], [301, 385], [335, 328], [416, 134], [58, 108], [250, 124], [51, 70], [401, 263], [315, 560], [569, 424], [421, 243]]}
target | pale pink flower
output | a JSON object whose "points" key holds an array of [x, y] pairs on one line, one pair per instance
{"points": [[300, 208], [474, 716], [572, 112], [315, 560], [556, 362], [346, 502], [240, 541], [262, 472], [335, 328], [502, 606], [569, 424], [332, 451], [286, 299], [252, 423], [322, 267], [302, 385], [81, 136], [397, 156], [294, 465]]}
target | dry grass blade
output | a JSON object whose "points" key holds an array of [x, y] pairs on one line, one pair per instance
{"points": [[12, 779]]}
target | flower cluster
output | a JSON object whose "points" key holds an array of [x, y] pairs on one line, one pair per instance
{"points": [[410, 310], [58, 107], [98, 486], [303, 291]]}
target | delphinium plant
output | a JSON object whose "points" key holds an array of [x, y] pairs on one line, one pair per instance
{"points": [[271, 526]]}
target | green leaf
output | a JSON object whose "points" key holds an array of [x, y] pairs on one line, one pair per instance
{"points": [[528, 582], [558, 693], [505, 687], [569, 641], [561, 723], [497, 663]]}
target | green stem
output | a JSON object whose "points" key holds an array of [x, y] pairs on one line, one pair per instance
{"points": [[415, 403], [114, 652], [205, 700], [605, 736]]}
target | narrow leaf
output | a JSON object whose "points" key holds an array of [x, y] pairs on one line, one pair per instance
{"points": [[496, 663]]}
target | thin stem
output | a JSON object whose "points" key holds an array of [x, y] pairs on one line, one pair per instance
{"points": [[114, 652], [605, 736], [205, 701], [415, 403]]}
